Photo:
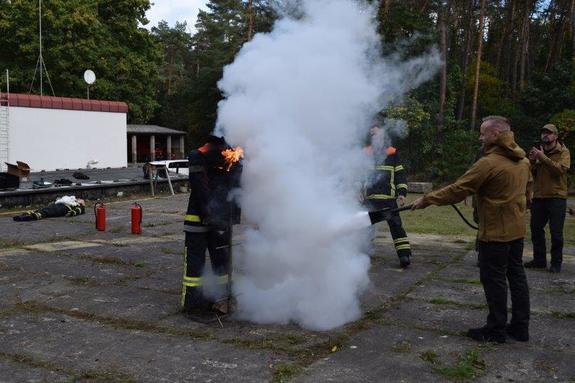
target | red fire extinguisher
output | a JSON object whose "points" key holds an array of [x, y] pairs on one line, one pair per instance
{"points": [[137, 215], [100, 213]]}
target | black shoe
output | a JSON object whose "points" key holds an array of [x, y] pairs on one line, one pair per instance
{"points": [[555, 269], [200, 315], [517, 334], [23, 218], [404, 261], [483, 335], [534, 265]]}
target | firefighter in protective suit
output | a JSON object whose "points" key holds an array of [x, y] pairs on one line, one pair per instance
{"points": [[208, 225], [388, 184]]}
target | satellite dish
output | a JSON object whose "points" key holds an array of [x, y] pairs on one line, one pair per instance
{"points": [[89, 77]]}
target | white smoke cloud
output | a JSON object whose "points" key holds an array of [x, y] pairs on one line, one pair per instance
{"points": [[300, 100]]}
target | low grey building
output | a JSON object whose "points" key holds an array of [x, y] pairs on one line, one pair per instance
{"points": [[152, 143]]}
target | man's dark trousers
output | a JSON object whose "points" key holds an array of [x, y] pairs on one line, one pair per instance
{"points": [[499, 263], [545, 210]]}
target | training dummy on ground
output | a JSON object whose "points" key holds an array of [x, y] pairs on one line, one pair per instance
{"points": [[67, 206]]}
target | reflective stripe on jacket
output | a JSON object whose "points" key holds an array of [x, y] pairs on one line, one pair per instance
{"points": [[388, 180]]}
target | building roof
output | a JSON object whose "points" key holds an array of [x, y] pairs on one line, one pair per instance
{"points": [[68, 103], [152, 129]]}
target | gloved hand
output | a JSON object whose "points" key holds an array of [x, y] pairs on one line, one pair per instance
{"points": [[401, 200]]}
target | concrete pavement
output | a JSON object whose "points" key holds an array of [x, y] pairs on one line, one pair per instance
{"points": [[86, 306]]}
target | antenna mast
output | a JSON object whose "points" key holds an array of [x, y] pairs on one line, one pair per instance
{"points": [[40, 64]]}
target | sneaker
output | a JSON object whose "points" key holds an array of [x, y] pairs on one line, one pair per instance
{"points": [[516, 334], [555, 269], [534, 265], [404, 261], [483, 335]]}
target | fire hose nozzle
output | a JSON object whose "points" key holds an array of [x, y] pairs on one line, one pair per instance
{"points": [[386, 214]]}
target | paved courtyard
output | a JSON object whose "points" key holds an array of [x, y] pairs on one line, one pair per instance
{"points": [[77, 305]]}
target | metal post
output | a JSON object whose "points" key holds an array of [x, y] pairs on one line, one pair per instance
{"points": [[40, 34], [152, 148], [134, 149], [169, 148]]}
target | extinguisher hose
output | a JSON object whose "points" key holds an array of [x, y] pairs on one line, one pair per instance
{"points": [[464, 219], [141, 211]]}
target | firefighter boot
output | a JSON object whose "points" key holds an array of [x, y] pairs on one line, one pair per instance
{"points": [[404, 261]]}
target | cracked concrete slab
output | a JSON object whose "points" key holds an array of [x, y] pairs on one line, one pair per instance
{"points": [[82, 305]]}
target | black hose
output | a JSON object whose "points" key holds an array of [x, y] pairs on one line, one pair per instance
{"points": [[464, 219]]}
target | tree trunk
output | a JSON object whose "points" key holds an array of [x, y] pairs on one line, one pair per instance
{"points": [[465, 58], [250, 19], [465, 61], [443, 68], [478, 65], [524, 49], [385, 8], [507, 29], [572, 27]]}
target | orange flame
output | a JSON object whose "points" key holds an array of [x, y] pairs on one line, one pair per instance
{"points": [[231, 156]]}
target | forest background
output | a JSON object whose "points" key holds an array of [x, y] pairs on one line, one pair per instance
{"points": [[514, 58]]}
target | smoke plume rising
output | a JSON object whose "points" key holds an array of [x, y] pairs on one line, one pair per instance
{"points": [[300, 101]]}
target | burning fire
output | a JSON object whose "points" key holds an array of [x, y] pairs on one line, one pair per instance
{"points": [[231, 156]]}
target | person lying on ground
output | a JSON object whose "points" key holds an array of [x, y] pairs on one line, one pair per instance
{"points": [[67, 206]]}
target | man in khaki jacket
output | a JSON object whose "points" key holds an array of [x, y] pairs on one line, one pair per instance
{"points": [[501, 181], [550, 163]]}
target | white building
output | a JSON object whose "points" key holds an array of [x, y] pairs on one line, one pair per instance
{"points": [[50, 133]]}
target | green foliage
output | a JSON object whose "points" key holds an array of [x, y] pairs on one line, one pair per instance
{"points": [[469, 366], [429, 356], [176, 70], [565, 122], [460, 146], [102, 35], [496, 98], [406, 29], [550, 92], [284, 372], [221, 32]]}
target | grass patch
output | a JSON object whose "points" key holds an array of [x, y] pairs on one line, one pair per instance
{"points": [[77, 280], [559, 290], [117, 229], [284, 372], [443, 220], [169, 251], [75, 376], [6, 244], [444, 301], [402, 347], [468, 281], [429, 357], [118, 323], [562, 315], [287, 344], [441, 301], [469, 366]]}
